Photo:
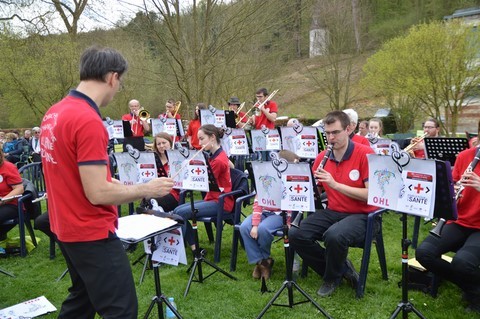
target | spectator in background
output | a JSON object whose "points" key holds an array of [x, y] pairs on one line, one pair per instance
{"points": [[375, 128], [193, 127], [35, 145], [352, 114], [11, 148], [363, 128]]}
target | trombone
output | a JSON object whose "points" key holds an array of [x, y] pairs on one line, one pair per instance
{"points": [[144, 115], [177, 107], [259, 106]]}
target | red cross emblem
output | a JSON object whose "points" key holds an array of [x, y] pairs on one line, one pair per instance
{"points": [[147, 173], [171, 241], [309, 143], [198, 171], [298, 188], [418, 188]]}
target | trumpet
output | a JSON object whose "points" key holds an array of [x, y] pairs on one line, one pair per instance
{"points": [[409, 148], [143, 115]]}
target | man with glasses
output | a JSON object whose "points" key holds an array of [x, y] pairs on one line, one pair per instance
{"points": [[266, 114], [83, 197], [342, 224], [431, 128]]}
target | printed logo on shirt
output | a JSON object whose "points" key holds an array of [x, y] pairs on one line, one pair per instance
{"points": [[354, 175]]}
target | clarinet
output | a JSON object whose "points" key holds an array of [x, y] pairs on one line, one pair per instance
{"points": [[328, 151], [437, 231]]}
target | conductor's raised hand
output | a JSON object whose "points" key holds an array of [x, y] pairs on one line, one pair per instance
{"points": [[159, 187]]}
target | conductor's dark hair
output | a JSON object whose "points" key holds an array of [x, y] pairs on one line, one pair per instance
{"points": [[210, 129], [263, 91], [334, 116], [96, 62]]}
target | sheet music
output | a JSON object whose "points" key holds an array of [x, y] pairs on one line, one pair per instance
{"points": [[137, 227]]}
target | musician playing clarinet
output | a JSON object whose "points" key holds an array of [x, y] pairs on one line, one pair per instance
{"points": [[431, 128], [461, 236], [266, 114], [343, 224]]}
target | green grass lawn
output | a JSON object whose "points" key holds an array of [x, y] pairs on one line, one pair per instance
{"points": [[221, 297]]}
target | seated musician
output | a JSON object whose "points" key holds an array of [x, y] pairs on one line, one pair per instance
{"points": [[209, 137], [461, 236], [162, 143], [343, 223], [353, 115], [431, 128]]}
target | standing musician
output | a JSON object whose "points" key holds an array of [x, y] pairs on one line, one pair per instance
{"points": [[233, 104], [171, 110], [461, 236], [267, 113], [431, 128], [343, 224], [137, 125]]}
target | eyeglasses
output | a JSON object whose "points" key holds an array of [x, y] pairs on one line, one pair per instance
{"points": [[334, 133], [428, 127]]}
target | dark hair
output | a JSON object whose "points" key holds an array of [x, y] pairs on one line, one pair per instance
{"points": [[263, 91], [163, 135], [340, 116], [380, 123], [210, 129], [435, 121], [97, 62], [201, 106], [171, 101]]}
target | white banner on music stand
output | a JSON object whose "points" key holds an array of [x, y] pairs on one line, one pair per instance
{"points": [[170, 248], [167, 125], [234, 142], [302, 140], [411, 191], [133, 170], [381, 146], [188, 172], [268, 184], [266, 140], [114, 129], [213, 116], [297, 186]]}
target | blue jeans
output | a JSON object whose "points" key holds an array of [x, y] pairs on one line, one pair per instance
{"points": [[258, 249], [205, 209]]}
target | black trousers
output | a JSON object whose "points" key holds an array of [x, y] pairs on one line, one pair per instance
{"points": [[7, 212], [464, 269], [338, 232], [102, 280]]}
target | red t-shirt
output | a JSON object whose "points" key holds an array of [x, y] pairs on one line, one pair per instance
{"points": [[192, 131], [73, 135], [164, 115], [9, 177], [352, 170], [135, 123], [262, 119], [221, 171], [468, 206], [241, 116], [360, 139]]}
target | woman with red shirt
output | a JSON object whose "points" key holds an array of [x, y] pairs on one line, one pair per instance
{"points": [[209, 137], [10, 185], [161, 144], [193, 127]]}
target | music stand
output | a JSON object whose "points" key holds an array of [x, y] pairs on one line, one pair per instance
{"points": [[159, 297], [447, 209], [289, 283], [444, 148], [199, 255]]}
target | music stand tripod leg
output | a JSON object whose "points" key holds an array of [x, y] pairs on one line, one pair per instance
{"points": [[199, 256], [6, 273], [289, 283], [159, 297], [405, 306]]}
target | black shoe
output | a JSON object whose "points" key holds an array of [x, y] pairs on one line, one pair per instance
{"points": [[351, 276], [327, 288]]}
